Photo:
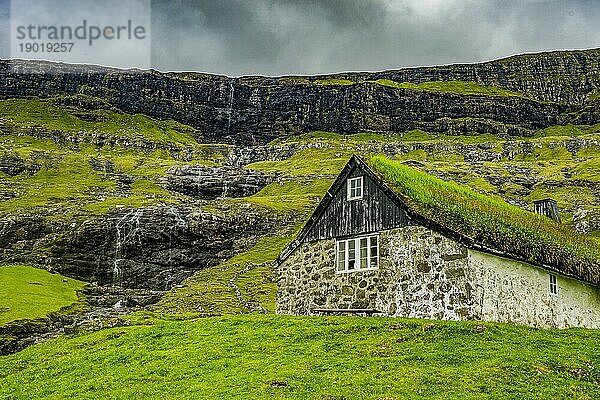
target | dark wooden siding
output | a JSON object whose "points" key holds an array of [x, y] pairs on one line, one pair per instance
{"points": [[375, 212], [547, 207]]}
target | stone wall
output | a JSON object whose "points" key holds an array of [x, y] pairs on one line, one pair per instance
{"points": [[433, 279], [423, 274]]}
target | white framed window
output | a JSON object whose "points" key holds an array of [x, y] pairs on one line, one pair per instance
{"points": [[357, 254], [355, 188], [553, 285]]}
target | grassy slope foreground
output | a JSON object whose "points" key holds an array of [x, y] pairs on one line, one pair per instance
{"points": [[30, 293], [265, 356]]}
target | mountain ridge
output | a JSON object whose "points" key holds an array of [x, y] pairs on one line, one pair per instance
{"points": [[553, 88]]}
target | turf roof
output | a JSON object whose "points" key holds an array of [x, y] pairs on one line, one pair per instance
{"points": [[478, 221], [489, 223]]}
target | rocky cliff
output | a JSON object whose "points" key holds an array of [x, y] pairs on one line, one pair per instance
{"points": [[144, 248], [540, 90]]}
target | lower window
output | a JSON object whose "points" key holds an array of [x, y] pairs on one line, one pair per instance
{"points": [[357, 254], [553, 284]]}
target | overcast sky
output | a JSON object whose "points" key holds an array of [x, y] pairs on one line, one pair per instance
{"points": [[273, 37]]}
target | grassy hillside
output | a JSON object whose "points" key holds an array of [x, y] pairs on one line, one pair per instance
{"points": [[254, 356], [83, 154], [456, 87], [79, 115], [212, 291], [30, 293], [66, 177], [77, 159]]}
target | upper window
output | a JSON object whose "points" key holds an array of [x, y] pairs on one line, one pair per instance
{"points": [[357, 254], [355, 188], [553, 284]]}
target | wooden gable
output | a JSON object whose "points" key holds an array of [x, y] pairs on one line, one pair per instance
{"points": [[376, 211], [337, 217]]}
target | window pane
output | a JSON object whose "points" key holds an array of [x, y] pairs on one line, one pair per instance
{"points": [[351, 254], [363, 253], [355, 187], [341, 254], [359, 187], [553, 285], [374, 251]]}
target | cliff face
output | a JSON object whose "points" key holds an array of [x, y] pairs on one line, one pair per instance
{"points": [[144, 248], [561, 76], [549, 89]]}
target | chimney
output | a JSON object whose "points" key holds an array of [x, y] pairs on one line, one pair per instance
{"points": [[547, 207]]}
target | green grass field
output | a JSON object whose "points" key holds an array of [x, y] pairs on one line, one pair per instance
{"points": [[265, 356], [30, 293], [456, 87]]}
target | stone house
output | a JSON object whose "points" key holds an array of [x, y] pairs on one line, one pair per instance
{"points": [[364, 250]]}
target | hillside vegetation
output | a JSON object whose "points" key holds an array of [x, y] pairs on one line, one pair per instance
{"points": [[212, 291], [80, 115], [83, 154], [31, 293], [85, 162], [262, 357]]}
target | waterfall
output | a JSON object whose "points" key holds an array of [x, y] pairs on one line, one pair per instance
{"points": [[230, 106], [172, 232], [132, 218], [255, 98], [225, 189], [198, 182], [180, 222]]}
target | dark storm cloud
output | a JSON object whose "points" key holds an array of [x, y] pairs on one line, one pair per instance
{"points": [[272, 37], [306, 36]]}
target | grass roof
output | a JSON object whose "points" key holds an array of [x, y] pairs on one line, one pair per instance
{"points": [[491, 223]]}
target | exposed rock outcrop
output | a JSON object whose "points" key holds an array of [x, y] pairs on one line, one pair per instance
{"points": [[213, 182], [147, 248], [554, 89]]}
